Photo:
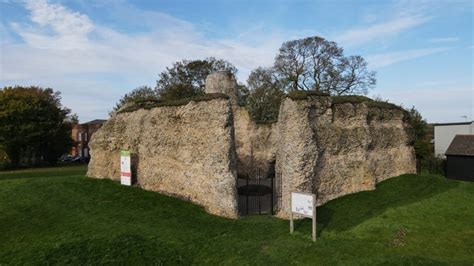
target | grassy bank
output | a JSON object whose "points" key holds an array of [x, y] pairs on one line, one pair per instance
{"points": [[56, 215]]}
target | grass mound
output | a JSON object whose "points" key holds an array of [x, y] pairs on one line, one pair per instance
{"points": [[149, 104], [58, 216], [360, 99], [303, 95]]}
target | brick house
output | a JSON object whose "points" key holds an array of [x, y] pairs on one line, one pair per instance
{"points": [[81, 134]]}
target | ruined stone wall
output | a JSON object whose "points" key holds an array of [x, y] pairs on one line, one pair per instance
{"points": [[195, 151], [334, 149], [184, 151], [254, 143], [222, 82]]}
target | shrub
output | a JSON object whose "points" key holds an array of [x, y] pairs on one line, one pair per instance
{"points": [[432, 165]]}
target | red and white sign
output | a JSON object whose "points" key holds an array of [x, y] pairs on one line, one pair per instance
{"points": [[125, 169]]}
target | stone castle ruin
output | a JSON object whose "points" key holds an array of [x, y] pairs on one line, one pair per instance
{"points": [[195, 150]]}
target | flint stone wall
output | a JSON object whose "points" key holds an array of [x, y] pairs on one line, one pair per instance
{"points": [[183, 151], [254, 143], [196, 151], [222, 82], [338, 149]]}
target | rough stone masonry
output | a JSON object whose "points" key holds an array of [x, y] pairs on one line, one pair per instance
{"points": [[194, 151], [184, 151]]}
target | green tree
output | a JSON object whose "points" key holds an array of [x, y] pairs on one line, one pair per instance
{"points": [[143, 93], [422, 145], [243, 94], [187, 78], [265, 95], [34, 126], [314, 63], [179, 91]]}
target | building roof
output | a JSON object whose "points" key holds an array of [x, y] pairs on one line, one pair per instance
{"points": [[96, 121], [461, 145], [453, 124]]}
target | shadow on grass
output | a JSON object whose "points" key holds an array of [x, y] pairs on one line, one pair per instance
{"points": [[136, 249], [349, 211], [59, 171]]}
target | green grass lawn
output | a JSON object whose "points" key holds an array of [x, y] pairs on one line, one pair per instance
{"points": [[58, 216]]}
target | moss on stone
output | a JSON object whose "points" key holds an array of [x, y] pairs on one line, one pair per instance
{"points": [[158, 103], [360, 99], [350, 99], [384, 105], [303, 95]]}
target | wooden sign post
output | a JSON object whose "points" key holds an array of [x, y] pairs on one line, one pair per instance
{"points": [[125, 169], [303, 204]]}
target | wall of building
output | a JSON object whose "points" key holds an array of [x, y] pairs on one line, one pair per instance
{"points": [[81, 135], [444, 134], [460, 167], [184, 151]]}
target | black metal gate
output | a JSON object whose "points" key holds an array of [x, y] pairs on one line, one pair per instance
{"points": [[258, 193]]}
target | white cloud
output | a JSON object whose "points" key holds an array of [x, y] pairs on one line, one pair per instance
{"points": [[444, 40], [69, 30], [385, 59], [378, 31], [77, 45], [93, 65], [59, 43], [62, 20]]}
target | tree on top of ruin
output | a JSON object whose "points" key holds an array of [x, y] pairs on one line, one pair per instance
{"points": [[265, 95], [140, 94], [187, 78], [311, 63], [314, 63]]}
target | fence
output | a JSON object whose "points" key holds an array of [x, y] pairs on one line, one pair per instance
{"points": [[433, 165], [259, 193]]}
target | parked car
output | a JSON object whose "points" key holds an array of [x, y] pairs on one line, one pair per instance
{"points": [[65, 158], [77, 159]]}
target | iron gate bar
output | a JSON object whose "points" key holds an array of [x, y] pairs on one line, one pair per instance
{"points": [[256, 192]]}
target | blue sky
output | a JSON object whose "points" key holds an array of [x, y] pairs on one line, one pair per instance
{"points": [[96, 51]]}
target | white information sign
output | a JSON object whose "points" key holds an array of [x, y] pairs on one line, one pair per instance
{"points": [[302, 204], [125, 169]]}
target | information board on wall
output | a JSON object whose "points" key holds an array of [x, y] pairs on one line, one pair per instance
{"points": [[125, 169]]}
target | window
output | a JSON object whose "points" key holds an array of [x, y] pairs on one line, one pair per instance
{"points": [[79, 136], [85, 136]]}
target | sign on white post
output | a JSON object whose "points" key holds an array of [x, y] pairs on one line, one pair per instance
{"points": [[125, 169], [303, 204]]}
